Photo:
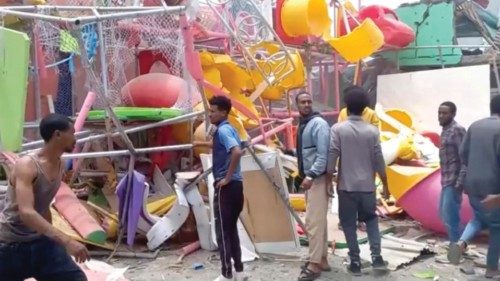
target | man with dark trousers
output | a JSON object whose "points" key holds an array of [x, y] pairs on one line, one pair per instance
{"points": [[30, 246], [228, 197], [355, 144], [480, 152]]}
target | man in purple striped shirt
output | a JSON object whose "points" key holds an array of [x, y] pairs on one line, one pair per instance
{"points": [[452, 174]]}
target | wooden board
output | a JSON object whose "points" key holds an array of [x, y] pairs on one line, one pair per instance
{"points": [[265, 217], [14, 63], [257, 210]]}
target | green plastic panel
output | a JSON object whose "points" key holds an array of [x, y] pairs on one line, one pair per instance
{"points": [[14, 63], [434, 26]]}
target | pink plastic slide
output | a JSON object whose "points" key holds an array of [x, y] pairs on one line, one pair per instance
{"points": [[421, 203], [68, 205]]}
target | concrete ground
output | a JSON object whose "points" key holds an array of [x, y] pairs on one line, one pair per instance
{"points": [[281, 269]]}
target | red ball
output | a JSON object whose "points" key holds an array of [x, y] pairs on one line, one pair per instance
{"points": [[153, 90]]}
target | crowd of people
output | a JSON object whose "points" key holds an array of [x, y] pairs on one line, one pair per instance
{"points": [[348, 153]]}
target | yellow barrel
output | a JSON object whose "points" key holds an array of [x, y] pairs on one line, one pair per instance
{"points": [[362, 42], [305, 17]]}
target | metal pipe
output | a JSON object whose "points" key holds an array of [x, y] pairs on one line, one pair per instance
{"points": [[38, 143], [440, 46], [36, 78], [265, 148], [125, 152], [259, 138], [27, 15], [31, 125], [81, 8], [134, 14], [297, 114], [145, 127], [91, 19], [337, 82], [104, 80]]}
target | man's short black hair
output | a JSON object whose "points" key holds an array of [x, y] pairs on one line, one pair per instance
{"points": [[300, 94], [356, 100], [353, 88], [495, 105], [451, 106], [222, 103], [53, 122]]}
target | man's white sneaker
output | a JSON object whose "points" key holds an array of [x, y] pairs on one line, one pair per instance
{"points": [[222, 278], [241, 276]]}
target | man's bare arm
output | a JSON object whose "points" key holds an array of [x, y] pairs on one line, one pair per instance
{"points": [[236, 153]]}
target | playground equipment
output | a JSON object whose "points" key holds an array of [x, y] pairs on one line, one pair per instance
{"points": [[303, 18], [421, 203], [396, 33], [13, 76], [154, 90]]}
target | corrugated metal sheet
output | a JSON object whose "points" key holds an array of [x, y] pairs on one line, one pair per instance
{"points": [[396, 251]]}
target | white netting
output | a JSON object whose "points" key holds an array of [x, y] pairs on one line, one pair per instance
{"points": [[123, 40]]}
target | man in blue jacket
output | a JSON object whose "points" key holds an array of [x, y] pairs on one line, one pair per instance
{"points": [[313, 135]]}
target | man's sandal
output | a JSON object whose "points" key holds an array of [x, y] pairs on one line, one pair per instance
{"points": [[326, 269], [308, 275]]}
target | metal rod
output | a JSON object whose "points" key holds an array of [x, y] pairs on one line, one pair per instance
{"points": [[81, 8], [38, 143], [439, 46], [36, 78], [337, 82], [126, 152], [6, 11], [145, 127], [273, 131], [297, 114], [31, 125], [135, 14], [91, 19], [495, 70], [104, 78], [265, 148]]}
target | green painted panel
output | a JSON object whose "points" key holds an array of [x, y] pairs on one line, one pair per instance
{"points": [[14, 63], [434, 25]]}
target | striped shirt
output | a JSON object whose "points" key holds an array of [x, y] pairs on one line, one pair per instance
{"points": [[452, 171]]}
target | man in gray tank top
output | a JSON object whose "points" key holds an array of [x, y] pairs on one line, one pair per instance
{"points": [[30, 246]]}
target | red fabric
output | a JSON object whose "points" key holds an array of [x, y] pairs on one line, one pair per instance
{"points": [[161, 137], [147, 59]]}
